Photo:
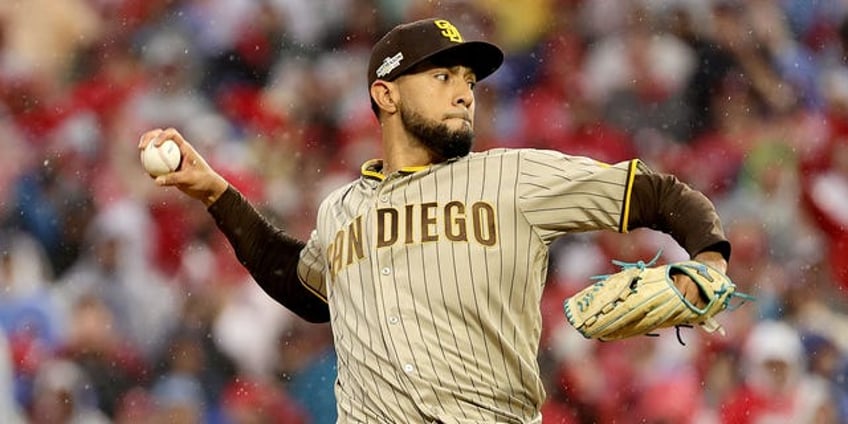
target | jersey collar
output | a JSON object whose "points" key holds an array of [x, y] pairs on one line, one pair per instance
{"points": [[373, 169]]}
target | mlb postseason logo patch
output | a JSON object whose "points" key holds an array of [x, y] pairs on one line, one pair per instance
{"points": [[389, 64]]}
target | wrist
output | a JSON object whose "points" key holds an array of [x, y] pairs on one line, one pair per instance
{"points": [[713, 259], [218, 189]]}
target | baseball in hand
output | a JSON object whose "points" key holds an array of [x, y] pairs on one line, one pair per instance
{"points": [[161, 160]]}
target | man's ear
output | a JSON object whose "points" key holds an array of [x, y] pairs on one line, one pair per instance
{"points": [[382, 92]]}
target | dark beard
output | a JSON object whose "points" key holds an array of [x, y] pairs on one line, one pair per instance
{"points": [[443, 142]]}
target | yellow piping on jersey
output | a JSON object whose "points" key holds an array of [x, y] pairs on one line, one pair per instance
{"points": [[413, 169], [311, 289], [369, 169], [631, 175], [317, 293]]}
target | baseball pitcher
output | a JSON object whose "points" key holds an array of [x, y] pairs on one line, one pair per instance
{"points": [[430, 266]]}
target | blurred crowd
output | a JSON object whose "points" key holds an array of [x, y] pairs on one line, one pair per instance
{"points": [[121, 302]]}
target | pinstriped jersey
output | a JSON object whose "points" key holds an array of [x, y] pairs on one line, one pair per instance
{"points": [[434, 276]]}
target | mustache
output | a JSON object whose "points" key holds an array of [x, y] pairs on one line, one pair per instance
{"points": [[458, 115]]}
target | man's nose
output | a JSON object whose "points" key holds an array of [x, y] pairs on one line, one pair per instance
{"points": [[465, 97]]}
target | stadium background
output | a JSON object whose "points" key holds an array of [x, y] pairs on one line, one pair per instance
{"points": [[120, 302]]}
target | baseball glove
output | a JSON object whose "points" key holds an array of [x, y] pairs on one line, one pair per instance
{"points": [[642, 298]]}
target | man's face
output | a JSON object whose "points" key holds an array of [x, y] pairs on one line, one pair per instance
{"points": [[437, 108]]}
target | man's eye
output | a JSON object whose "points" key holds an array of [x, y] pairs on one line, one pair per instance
{"points": [[442, 77], [472, 84]]}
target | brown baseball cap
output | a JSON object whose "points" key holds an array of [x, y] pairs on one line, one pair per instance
{"points": [[409, 44]]}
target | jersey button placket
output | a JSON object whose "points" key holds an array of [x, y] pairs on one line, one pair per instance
{"points": [[383, 194], [385, 271], [393, 316]]}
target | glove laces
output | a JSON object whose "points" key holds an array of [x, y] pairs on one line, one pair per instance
{"points": [[638, 264], [624, 265]]}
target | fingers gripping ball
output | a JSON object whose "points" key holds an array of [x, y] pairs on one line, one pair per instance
{"points": [[641, 299], [161, 160]]}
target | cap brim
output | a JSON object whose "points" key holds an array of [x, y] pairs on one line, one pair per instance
{"points": [[482, 57]]}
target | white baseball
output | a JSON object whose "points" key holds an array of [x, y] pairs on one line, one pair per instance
{"points": [[161, 160]]}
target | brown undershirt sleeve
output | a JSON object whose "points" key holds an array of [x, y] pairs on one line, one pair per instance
{"points": [[268, 253], [664, 203]]}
